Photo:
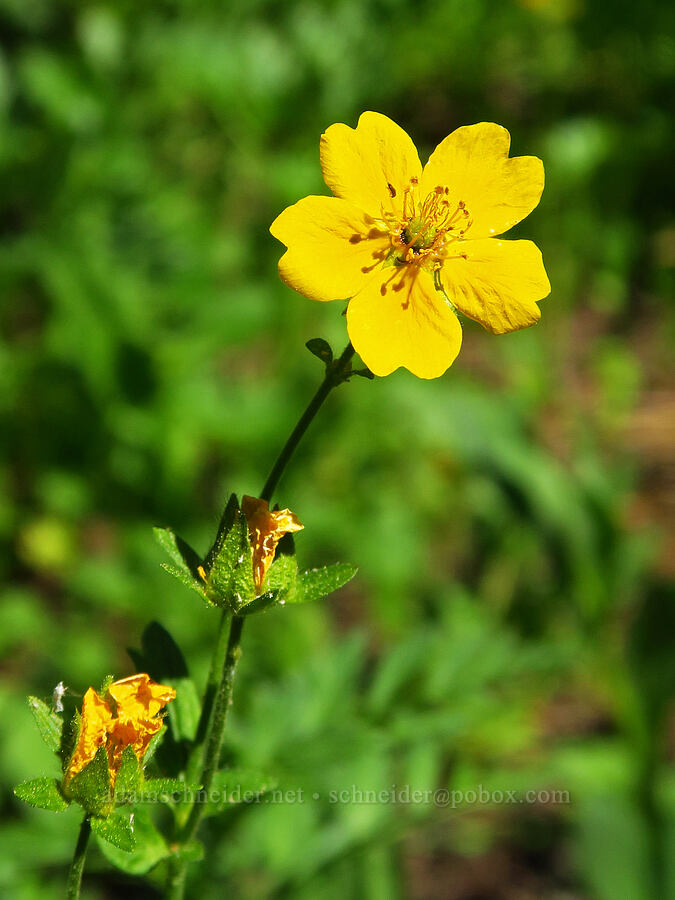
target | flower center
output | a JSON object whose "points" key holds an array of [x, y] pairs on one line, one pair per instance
{"points": [[426, 227]]}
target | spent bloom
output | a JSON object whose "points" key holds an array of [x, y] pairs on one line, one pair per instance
{"points": [[128, 719], [408, 245], [266, 528]]}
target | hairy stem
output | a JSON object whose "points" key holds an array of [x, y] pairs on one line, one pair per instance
{"points": [[79, 856]]}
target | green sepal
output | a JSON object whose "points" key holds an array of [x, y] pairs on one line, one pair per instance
{"points": [[150, 847], [321, 349], [226, 522], [230, 576], [42, 793], [105, 687], [49, 723], [317, 583], [129, 778], [91, 786], [364, 373], [185, 559], [167, 790], [116, 829], [153, 746], [260, 604], [282, 578], [236, 786]]}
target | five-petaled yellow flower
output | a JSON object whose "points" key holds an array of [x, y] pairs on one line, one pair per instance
{"points": [[131, 720], [266, 528], [406, 244]]}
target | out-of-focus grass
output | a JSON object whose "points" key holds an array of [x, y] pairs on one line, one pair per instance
{"points": [[508, 625]]}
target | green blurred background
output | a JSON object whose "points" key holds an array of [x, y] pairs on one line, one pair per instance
{"points": [[511, 622]]}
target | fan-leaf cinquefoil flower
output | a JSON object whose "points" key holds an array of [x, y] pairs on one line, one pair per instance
{"points": [[408, 245], [130, 720], [266, 528]]}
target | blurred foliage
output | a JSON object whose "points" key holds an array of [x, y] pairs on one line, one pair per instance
{"points": [[510, 622]]}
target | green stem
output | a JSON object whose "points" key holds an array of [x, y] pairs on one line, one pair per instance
{"points": [[215, 673], [220, 685], [335, 374], [77, 865], [214, 739]]}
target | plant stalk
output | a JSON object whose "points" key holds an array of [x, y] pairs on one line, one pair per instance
{"points": [[79, 856], [218, 697]]}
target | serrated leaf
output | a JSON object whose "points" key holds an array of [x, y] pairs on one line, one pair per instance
{"points": [[179, 550], [116, 829], [186, 579], [42, 793], [167, 790], [91, 787], [321, 349], [129, 778], [49, 723], [236, 786], [150, 847], [230, 578], [317, 583]]}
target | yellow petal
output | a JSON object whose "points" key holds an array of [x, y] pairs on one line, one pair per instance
{"points": [[333, 247], [266, 528], [96, 721], [474, 163], [402, 320], [370, 165], [497, 283], [138, 698]]}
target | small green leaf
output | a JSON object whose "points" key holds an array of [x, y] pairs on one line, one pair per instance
{"points": [[317, 583], [185, 578], [364, 373], [129, 778], [321, 349], [179, 550], [282, 577], [237, 786], [43, 793], [167, 790], [186, 560], [150, 847], [91, 787], [49, 723], [116, 829]]}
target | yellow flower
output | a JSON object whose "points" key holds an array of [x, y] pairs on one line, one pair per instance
{"points": [[408, 244], [266, 528], [130, 720]]}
